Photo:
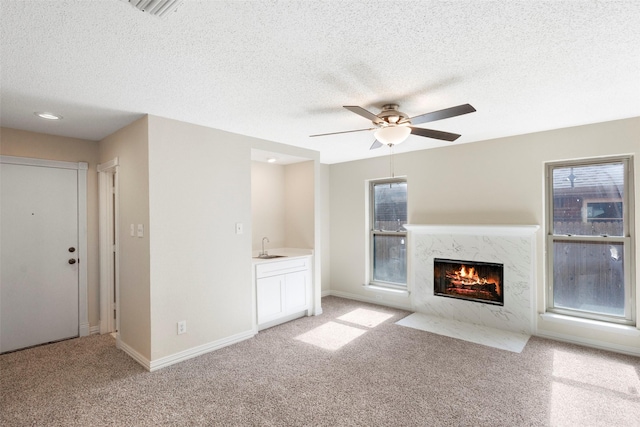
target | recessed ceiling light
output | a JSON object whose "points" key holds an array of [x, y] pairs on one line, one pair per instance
{"points": [[271, 160], [48, 116]]}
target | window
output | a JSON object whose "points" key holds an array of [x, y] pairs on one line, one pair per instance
{"points": [[388, 238], [589, 229]]}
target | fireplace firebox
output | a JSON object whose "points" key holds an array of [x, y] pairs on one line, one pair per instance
{"points": [[469, 280]]}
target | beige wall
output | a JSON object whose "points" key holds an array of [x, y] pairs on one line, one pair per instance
{"points": [[498, 181], [325, 215], [21, 143], [299, 205], [200, 269], [130, 145], [282, 205], [190, 265], [267, 205]]}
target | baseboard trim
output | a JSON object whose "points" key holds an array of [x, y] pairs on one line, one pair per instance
{"points": [[325, 293], [281, 320], [133, 354], [181, 356], [369, 300], [94, 330], [623, 349], [84, 329]]}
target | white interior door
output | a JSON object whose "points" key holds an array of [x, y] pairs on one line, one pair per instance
{"points": [[39, 287]]}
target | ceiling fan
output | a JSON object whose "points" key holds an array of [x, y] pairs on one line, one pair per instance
{"points": [[393, 126]]}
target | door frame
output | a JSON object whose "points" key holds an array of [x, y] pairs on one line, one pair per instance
{"points": [[109, 224], [81, 168]]}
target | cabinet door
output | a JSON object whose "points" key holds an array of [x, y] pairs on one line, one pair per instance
{"points": [[296, 291], [270, 298]]}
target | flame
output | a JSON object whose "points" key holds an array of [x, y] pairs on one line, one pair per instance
{"points": [[470, 275], [466, 277]]}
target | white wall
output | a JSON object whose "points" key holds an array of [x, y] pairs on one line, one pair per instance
{"points": [[20, 143], [299, 205], [325, 215], [130, 145], [190, 265], [282, 205], [268, 204], [200, 269], [498, 181]]}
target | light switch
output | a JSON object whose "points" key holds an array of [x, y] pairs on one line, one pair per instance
{"points": [[140, 230], [239, 228], [132, 230]]}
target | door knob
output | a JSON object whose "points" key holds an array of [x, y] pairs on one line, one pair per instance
{"points": [[72, 249], [72, 261]]}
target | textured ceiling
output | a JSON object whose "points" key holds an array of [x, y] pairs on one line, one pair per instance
{"points": [[282, 70]]}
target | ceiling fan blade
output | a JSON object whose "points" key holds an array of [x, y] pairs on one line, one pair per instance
{"points": [[364, 113], [435, 134], [336, 133], [376, 144], [441, 114]]}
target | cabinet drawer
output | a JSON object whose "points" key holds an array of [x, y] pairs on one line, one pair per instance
{"points": [[281, 267]]}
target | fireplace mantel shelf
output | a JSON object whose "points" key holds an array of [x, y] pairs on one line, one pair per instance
{"points": [[479, 230]]}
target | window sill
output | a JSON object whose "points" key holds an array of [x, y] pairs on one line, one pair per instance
{"points": [[398, 292], [591, 324]]}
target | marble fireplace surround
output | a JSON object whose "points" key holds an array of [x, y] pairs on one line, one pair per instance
{"points": [[511, 245]]}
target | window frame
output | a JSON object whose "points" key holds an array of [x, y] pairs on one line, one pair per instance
{"points": [[372, 233], [629, 317]]}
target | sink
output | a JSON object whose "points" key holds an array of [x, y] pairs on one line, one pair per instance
{"points": [[269, 256]]}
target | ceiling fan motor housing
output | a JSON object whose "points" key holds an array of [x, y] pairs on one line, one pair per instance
{"points": [[390, 114]]}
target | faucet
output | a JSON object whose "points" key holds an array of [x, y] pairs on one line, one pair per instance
{"points": [[264, 253]]}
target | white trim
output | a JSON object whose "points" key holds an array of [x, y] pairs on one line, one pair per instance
{"points": [[611, 328], [325, 294], [103, 167], [27, 161], [133, 354], [181, 356], [84, 329], [627, 239], [389, 290], [81, 168], [355, 297], [371, 232], [109, 268], [94, 330], [601, 345], [481, 230], [285, 319], [83, 259]]}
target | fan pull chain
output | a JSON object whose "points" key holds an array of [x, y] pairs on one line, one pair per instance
{"points": [[391, 160]]}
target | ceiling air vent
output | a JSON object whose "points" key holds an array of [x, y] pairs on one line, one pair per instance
{"points": [[159, 8]]}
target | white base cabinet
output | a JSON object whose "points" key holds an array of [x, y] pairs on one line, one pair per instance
{"points": [[283, 290]]}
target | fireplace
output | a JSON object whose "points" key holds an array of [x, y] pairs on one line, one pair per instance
{"points": [[469, 280]]}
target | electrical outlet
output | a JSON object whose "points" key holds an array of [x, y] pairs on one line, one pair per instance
{"points": [[182, 327]]}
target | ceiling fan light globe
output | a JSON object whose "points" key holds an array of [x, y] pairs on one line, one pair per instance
{"points": [[393, 134]]}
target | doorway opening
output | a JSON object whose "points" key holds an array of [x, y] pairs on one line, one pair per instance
{"points": [[109, 248]]}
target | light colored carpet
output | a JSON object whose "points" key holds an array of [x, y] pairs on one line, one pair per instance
{"points": [[504, 340], [351, 366]]}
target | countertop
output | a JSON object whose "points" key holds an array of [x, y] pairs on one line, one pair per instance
{"points": [[287, 253]]}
